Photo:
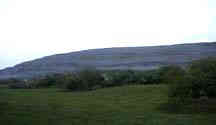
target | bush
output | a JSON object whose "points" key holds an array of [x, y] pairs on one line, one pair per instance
{"points": [[118, 78], [5, 81], [126, 77], [73, 82], [199, 81], [15, 83], [180, 88], [22, 84], [171, 74], [211, 91], [18, 85], [84, 80], [44, 82], [203, 77], [152, 77]]}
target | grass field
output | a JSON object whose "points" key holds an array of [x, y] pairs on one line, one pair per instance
{"points": [[128, 105]]}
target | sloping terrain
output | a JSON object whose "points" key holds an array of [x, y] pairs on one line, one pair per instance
{"points": [[141, 58]]}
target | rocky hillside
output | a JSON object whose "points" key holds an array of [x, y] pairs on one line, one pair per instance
{"points": [[140, 58]]}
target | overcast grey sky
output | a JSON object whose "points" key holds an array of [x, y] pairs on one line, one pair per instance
{"points": [[31, 29]]}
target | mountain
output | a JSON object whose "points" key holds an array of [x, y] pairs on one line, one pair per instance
{"points": [[139, 58]]}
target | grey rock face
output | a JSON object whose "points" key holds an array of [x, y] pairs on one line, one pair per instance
{"points": [[139, 58]]}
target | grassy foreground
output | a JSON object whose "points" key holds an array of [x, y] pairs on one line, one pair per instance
{"points": [[128, 105]]}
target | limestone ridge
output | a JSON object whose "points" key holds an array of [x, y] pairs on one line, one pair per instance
{"points": [[138, 58]]}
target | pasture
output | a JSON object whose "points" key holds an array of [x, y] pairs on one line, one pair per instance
{"points": [[127, 105]]}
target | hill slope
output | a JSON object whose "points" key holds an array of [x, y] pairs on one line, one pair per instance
{"points": [[113, 58]]}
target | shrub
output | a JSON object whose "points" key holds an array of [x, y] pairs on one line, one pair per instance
{"points": [[5, 81], [200, 80], [84, 80], [180, 88], [47, 81], [18, 85], [152, 77], [126, 77], [73, 82], [171, 74], [147, 77], [22, 84], [203, 75], [44, 82], [118, 78], [15, 83], [211, 91]]}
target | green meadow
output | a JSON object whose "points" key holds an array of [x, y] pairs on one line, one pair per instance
{"points": [[127, 105]]}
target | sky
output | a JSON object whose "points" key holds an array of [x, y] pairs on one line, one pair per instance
{"points": [[31, 29]]}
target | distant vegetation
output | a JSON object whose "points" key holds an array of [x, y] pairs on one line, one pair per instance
{"points": [[151, 96], [195, 81], [91, 79]]}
